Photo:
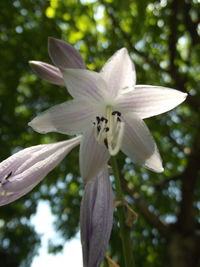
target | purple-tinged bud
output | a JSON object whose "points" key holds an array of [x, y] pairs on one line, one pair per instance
{"points": [[22, 171], [48, 72], [64, 55], [96, 218]]}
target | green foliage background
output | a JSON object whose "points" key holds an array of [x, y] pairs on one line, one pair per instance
{"points": [[163, 40]]}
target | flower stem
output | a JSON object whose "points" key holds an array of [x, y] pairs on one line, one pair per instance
{"points": [[124, 229]]}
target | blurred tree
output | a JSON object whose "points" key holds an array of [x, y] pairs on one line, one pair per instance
{"points": [[163, 40]]}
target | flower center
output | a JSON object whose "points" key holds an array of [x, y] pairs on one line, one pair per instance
{"points": [[109, 130]]}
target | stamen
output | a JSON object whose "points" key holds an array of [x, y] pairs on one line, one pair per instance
{"points": [[98, 119], [5, 178], [98, 128], [114, 150], [116, 112], [115, 119], [106, 142], [101, 136], [104, 119], [110, 130]]}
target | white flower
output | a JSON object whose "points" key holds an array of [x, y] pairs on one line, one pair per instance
{"points": [[108, 109]]}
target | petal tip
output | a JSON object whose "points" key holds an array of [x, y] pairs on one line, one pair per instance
{"points": [[185, 95], [31, 124], [52, 46], [157, 169], [160, 169], [52, 39], [35, 127], [54, 42], [123, 51], [154, 163], [182, 97], [33, 63]]}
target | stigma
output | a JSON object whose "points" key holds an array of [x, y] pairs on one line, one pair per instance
{"points": [[109, 130]]}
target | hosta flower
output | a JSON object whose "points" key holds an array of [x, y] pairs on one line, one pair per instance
{"points": [[22, 171], [107, 108]]}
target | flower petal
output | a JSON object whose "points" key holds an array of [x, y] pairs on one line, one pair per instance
{"points": [[149, 100], [71, 117], [84, 84], [47, 72], [92, 155], [139, 145], [96, 218], [119, 72], [64, 55], [25, 169]]}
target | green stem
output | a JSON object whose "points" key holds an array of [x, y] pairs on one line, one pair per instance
{"points": [[124, 229]]}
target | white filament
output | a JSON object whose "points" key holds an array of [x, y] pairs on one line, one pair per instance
{"points": [[110, 130]]}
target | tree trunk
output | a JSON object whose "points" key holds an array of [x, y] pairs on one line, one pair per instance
{"points": [[183, 250]]}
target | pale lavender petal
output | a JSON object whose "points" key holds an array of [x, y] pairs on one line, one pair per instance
{"points": [[149, 100], [48, 72], [71, 117], [139, 144], [119, 73], [64, 55], [85, 84], [25, 169], [92, 156], [96, 218]]}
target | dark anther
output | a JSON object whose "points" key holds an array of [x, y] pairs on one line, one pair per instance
{"points": [[116, 112], [9, 175], [107, 129], [6, 177], [118, 119], [104, 119], [106, 142], [98, 128], [98, 119], [94, 123]]}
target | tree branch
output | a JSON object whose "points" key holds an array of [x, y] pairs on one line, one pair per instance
{"points": [[164, 182], [127, 39], [173, 37], [191, 26], [172, 46], [151, 218], [178, 78], [186, 217]]}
